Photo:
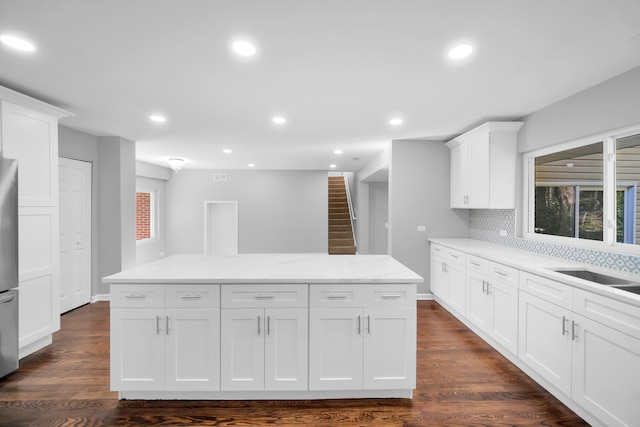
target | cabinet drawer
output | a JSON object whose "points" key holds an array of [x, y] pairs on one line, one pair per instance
{"points": [[137, 296], [455, 256], [504, 274], [336, 295], [480, 265], [616, 314], [264, 296], [390, 296], [547, 289], [192, 296]]}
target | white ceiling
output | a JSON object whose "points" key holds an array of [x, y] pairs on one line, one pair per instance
{"points": [[338, 70]]}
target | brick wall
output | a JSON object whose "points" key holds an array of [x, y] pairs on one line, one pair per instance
{"points": [[143, 215]]}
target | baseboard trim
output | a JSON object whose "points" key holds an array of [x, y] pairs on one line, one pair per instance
{"points": [[100, 297], [424, 297]]}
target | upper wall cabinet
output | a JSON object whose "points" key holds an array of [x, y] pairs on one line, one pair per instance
{"points": [[483, 167]]}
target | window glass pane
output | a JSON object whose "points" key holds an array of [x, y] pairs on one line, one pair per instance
{"points": [[627, 179], [562, 181]]}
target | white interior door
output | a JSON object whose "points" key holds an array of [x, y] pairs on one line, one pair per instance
{"points": [[75, 233], [221, 227]]}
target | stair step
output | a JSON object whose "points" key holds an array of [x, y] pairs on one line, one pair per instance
{"points": [[338, 228], [342, 250], [338, 210], [341, 242], [333, 235]]}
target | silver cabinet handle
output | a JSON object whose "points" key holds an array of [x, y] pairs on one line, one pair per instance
{"points": [[166, 330], [191, 297], [574, 330], [454, 256], [135, 296], [477, 264], [488, 288], [369, 324], [500, 273], [359, 328], [484, 284], [564, 322], [157, 325], [268, 325], [391, 296], [336, 296], [258, 325], [264, 296]]}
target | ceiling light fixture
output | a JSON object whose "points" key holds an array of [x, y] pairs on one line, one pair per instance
{"points": [[227, 151], [17, 43], [279, 120], [176, 164], [460, 51], [252, 165], [158, 119], [395, 121], [333, 166], [244, 48], [337, 152]]}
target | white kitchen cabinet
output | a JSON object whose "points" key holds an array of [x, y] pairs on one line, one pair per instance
{"points": [[29, 133], [165, 337], [483, 167], [448, 277], [362, 338], [492, 300], [264, 338]]}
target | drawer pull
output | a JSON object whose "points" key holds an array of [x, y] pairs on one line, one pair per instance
{"points": [[264, 296], [191, 296], [391, 296], [157, 325], [135, 296], [500, 273], [564, 322], [454, 256], [477, 264], [336, 296]]}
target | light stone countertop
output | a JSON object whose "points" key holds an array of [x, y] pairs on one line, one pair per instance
{"points": [[543, 266], [269, 268]]}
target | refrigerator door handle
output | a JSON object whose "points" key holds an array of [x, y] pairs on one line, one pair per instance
{"points": [[7, 299]]}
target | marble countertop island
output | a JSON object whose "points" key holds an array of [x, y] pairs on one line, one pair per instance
{"points": [[269, 268]]}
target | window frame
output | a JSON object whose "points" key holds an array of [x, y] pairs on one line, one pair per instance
{"points": [[610, 187], [153, 215]]}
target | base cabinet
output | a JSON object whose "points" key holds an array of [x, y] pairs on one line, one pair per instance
{"points": [[448, 281]]}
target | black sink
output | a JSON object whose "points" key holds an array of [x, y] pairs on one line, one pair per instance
{"points": [[629, 288], [600, 278]]}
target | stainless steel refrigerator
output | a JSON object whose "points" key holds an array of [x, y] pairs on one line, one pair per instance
{"points": [[8, 266]]}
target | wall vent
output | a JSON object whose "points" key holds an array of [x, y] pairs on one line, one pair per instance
{"points": [[218, 177]]}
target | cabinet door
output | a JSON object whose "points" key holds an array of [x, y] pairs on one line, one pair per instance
{"points": [[457, 287], [335, 348], [544, 340], [389, 348], [192, 349], [459, 176], [504, 315], [605, 371], [286, 347], [479, 164], [478, 304], [439, 278], [137, 349], [242, 349]]}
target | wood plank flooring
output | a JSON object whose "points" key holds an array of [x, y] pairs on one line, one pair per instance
{"points": [[461, 382]]}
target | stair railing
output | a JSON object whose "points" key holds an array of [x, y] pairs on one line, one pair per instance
{"points": [[352, 215]]}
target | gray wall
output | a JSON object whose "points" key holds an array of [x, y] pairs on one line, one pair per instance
{"points": [[378, 217], [278, 211], [78, 145], [419, 195]]}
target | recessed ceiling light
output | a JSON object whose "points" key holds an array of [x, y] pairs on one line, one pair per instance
{"points": [[395, 121], [156, 118], [460, 51], [333, 166], [17, 43], [227, 151], [279, 120], [337, 152], [244, 48], [252, 165]]}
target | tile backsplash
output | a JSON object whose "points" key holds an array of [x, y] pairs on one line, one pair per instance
{"points": [[486, 224]]}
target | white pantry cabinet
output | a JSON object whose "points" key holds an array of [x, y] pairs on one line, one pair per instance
{"points": [[264, 337], [165, 337], [362, 337], [29, 133], [483, 167]]}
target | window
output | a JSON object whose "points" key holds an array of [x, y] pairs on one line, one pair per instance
{"points": [[584, 192], [145, 215]]}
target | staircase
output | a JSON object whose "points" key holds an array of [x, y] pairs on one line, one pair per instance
{"points": [[340, 230]]}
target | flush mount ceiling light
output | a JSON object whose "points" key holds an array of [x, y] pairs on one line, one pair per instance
{"points": [[244, 48], [252, 165], [279, 120], [333, 166], [157, 119], [395, 121], [227, 151], [460, 51], [17, 43], [337, 152], [176, 164]]}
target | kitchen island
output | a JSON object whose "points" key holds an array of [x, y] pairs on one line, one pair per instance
{"points": [[264, 326]]}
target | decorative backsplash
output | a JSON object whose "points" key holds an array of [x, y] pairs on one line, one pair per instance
{"points": [[485, 224]]}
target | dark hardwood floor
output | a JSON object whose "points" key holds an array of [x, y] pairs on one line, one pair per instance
{"points": [[461, 382]]}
